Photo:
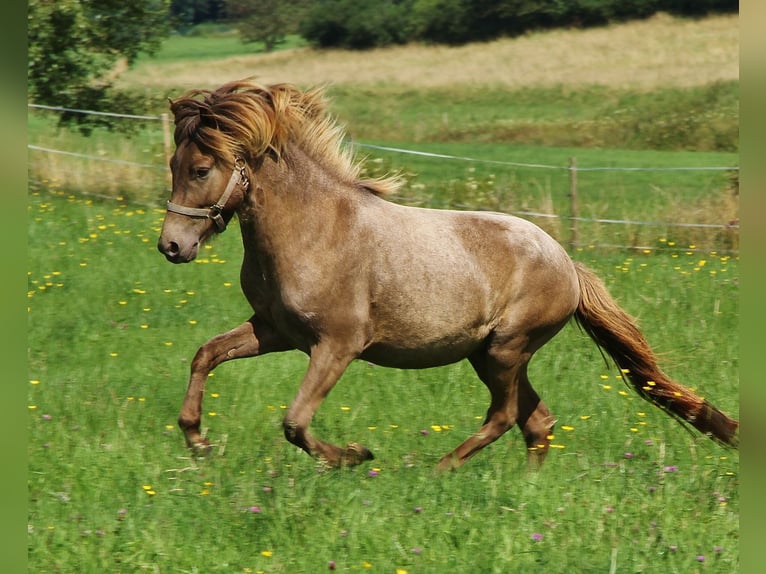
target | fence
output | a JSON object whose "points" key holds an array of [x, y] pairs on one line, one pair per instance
{"points": [[573, 219]]}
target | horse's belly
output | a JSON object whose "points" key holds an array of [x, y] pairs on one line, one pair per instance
{"points": [[427, 354]]}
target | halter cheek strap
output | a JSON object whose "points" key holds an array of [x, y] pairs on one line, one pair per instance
{"points": [[214, 212]]}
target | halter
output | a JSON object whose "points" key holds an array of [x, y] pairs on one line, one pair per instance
{"points": [[214, 211]]}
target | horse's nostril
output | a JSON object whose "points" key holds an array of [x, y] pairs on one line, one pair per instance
{"points": [[169, 248]]}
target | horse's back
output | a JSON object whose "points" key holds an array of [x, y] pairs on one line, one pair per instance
{"points": [[443, 281]]}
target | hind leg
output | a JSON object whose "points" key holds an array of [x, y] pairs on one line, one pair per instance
{"points": [[535, 420], [499, 369]]}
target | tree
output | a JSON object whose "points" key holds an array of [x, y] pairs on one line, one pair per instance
{"points": [[357, 24], [188, 13], [267, 21], [73, 46]]}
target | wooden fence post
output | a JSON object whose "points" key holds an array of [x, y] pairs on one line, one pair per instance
{"points": [[167, 144], [574, 208]]}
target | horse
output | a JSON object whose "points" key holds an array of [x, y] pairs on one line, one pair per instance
{"points": [[334, 269]]}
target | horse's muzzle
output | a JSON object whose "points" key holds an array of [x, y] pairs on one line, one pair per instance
{"points": [[174, 253]]}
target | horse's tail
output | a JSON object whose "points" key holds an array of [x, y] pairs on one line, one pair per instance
{"points": [[616, 332]]}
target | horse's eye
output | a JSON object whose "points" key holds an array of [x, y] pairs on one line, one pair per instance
{"points": [[202, 172]]}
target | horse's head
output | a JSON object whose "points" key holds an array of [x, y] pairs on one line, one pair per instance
{"points": [[206, 191], [220, 135]]}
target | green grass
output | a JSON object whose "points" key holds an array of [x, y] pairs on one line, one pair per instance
{"points": [[209, 43], [659, 197], [703, 118], [113, 327]]}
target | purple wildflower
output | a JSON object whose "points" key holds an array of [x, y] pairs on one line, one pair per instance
{"points": [[671, 468], [700, 558], [254, 509], [331, 565], [537, 537]]}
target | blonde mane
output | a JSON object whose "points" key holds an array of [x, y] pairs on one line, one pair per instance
{"points": [[251, 120]]}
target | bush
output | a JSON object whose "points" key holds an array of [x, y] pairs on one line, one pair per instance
{"points": [[356, 24], [369, 23], [442, 21]]}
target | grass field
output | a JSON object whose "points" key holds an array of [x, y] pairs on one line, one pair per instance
{"points": [[656, 53], [665, 119], [662, 198], [112, 329]]}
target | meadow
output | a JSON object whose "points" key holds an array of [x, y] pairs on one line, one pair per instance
{"points": [[112, 329]]}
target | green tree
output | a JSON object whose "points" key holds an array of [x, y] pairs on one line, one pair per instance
{"points": [[357, 24], [266, 21], [189, 13], [74, 46]]}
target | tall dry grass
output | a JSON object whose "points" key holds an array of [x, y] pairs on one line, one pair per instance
{"points": [[661, 51]]}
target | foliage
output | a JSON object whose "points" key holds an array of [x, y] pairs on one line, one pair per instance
{"points": [[333, 23], [74, 46], [187, 13], [267, 21], [357, 24]]}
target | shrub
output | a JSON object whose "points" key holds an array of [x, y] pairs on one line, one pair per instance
{"points": [[356, 24]]}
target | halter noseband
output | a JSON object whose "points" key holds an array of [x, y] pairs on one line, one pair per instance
{"points": [[214, 211]]}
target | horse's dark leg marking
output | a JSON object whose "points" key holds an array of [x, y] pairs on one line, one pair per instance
{"points": [[325, 368], [251, 338], [535, 420]]}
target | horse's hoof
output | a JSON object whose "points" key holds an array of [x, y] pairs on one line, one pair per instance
{"points": [[200, 446], [447, 463], [356, 453]]}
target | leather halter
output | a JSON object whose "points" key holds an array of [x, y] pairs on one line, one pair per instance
{"points": [[213, 212]]}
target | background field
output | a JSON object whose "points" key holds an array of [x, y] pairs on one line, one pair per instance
{"points": [[112, 329]]}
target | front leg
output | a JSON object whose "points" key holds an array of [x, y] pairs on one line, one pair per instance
{"points": [[326, 365], [251, 338]]}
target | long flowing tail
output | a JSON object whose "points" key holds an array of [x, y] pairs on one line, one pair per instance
{"points": [[616, 332]]}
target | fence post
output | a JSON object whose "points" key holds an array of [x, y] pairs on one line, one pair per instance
{"points": [[574, 208], [168, 149]]}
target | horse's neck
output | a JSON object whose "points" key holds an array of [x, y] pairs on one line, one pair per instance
{"points": [[293, 204]]}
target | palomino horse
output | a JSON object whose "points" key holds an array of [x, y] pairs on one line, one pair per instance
{"points": [[333, 269]]}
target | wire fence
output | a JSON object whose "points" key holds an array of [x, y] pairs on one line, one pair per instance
{"points": [[573, 218]]}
